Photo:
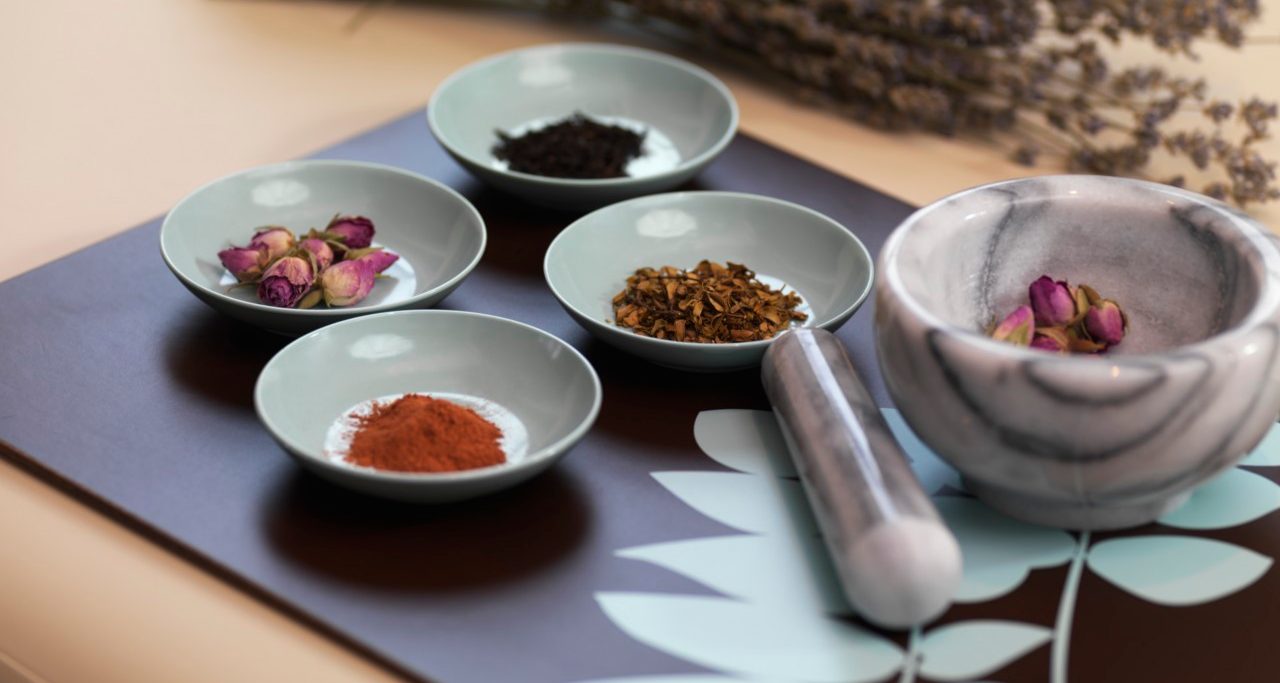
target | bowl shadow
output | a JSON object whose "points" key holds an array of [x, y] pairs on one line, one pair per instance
{"points": [[219, 358], [656, 395], [520, 232], [395, 546]]}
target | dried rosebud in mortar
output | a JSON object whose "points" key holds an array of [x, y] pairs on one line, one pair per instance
{"points": [[1016, 328], [1066, 319], [355, 232], [274, 241], [1052, 302], [244, 263], [347, 282], [1051, 339], [1105, 322], [286, 282]]}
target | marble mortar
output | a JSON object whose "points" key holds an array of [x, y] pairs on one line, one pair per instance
{"points": [[1083, 442]]}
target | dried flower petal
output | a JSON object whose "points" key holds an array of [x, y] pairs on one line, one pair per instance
{"points": [[285, 282], [1052, 302], [1051, 339], [355, 232], [379, 259], [320, 250], [1016, 328], [244, 263], [1105, 322], [347, 282], [274, 240]]}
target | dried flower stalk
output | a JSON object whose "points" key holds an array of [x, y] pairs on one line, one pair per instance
{"points": [[1030, 74], [712, 303]]}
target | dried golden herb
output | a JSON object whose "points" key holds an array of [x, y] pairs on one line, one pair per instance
{"points": [[712, 303]]}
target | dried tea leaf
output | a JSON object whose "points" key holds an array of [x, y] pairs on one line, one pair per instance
{"points": [[712, 303]]}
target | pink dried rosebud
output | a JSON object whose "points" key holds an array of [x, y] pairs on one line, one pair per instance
{"points": [[379, 260], [286, 282], [1105, 322], [347, 282], [1053, 303], [244, 263], [1051, 339], [355, 232], [1015, 329], [274, 241], [320, 249]]}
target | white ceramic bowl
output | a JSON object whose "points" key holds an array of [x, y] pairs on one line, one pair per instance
{"points": [[542, 383], [1083, 441], [689, 114], [588, 263], [438, 234]]}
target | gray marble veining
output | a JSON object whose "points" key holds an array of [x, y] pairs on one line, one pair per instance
{"points": [[1083, 441]]}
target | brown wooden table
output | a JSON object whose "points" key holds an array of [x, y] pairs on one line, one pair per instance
{"points": [[111, 114]]}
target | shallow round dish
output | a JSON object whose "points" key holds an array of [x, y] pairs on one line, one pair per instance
{"points": [[786, 244], [438, 234], [532, 377], [1091, 442], [689, 116]]}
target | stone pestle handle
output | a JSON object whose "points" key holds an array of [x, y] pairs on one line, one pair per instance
{"points": [[898, 563]]}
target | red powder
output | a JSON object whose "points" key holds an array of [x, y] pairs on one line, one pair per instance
{"points": [[417, 433]]}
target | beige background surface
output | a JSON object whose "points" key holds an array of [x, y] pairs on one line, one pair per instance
{"points": [[111, 111]]}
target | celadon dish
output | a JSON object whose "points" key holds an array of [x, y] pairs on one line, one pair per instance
{"points": [[437, 233], [546, 393], [688, 116], [786, 244]]}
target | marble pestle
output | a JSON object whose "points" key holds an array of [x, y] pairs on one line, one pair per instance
{"points": [[897, 562]]}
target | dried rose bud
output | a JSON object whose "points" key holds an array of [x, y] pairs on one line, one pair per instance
{"points": [[380, 259], [274, 241], [1015, 329], [347, 282], [285, 282], [1051, 339], [244, 263], [356, 232], [1105, 322], [1053, 303], [320, 250]]}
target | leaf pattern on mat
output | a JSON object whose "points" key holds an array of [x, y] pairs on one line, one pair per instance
{"points": [[754, 641], [1235, 497], [967, 649], [1176, 570], [999, 551], [774, 622]]}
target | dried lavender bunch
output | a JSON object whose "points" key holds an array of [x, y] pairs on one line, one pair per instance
{"points": [[1028, 74]]}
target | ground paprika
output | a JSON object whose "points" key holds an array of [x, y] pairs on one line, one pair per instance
{"points": [[417, 433]]}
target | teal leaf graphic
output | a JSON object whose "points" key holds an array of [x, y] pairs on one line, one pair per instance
{"points": [[1235, 497], [931, 470], [787, 571], [999, 551], [753, 641], [1267, 453], [968, 649], [745, 440], [1176, 570], [761, 505]]}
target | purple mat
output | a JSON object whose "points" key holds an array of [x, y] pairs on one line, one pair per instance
{"points": [[119, 386]]}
